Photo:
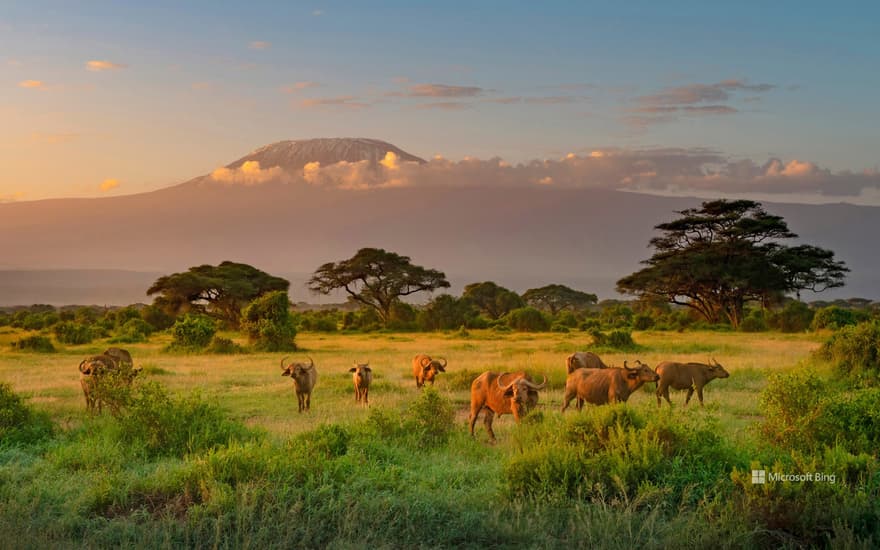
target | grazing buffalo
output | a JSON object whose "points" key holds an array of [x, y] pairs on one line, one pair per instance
{"points": [[505, 393], [91, 372], [122, 357], [689, 376], [304, 378], [602, 386], [583, 360], [426, 369], [362, 377]]}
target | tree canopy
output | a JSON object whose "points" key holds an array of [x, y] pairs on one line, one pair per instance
{"points": [[218, 291], [555, 298], [491, 299], [377, 279], [716, 258]]}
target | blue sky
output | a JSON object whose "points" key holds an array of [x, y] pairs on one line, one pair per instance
{"points": [[180, 88]]}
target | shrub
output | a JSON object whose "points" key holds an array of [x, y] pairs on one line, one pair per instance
{"points": [[222, 345], [73, 333], [835, 317], [528, 319], [268, 323], [447, 312], [854, 352], [430, 418], [166, 425], [796, 316], [37, 343], [566, 319], [754, 322], [556, 327], [192, 332], [133, 331], [616, 339], [157, 317], [19, 424], [642, 321]]}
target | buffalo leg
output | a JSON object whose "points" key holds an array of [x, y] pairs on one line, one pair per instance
{"points": [[700, 394], [566, 399], [473, 419], [689, 395], [308, 401], [487, 421]]}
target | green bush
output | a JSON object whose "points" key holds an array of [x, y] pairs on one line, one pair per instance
{"points": [[192, 332], [755, 321], [642, 321], [796, 316], [164, 425], [157, 317], [19, 424], [222, 345], [566, 319], [447, 312], [132, 331], [854, 352], [834, 317], [430, 418], [73, 333], [616, 339], [36, 342], [268, 323], [528, 319]]}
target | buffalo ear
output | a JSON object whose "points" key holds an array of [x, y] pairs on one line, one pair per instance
{"points": [[508, 392], [632, 375], [368, 369], [352, 369]]}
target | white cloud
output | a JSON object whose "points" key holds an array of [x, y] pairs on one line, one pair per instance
{"points": [[109, 184], [249, 173], [97, 66]]}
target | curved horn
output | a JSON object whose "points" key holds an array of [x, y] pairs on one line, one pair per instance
{"points": [[534, 386], [311, 362], [444, 361], [498, 380], [83, 362], [426, 360], [282, 362], [627, 366]]}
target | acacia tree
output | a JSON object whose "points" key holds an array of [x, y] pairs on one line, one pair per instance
{"points": [[377, 279], [491, 299], [218, 291], [716, 258], [555, 298]]}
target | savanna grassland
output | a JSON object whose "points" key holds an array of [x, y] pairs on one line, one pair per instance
{"points": [[228, 461]]}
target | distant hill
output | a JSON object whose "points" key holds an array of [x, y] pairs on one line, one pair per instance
{"points": [[518, 236]]}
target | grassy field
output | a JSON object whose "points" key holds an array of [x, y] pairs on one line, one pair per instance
{"points": [[368, 484]]}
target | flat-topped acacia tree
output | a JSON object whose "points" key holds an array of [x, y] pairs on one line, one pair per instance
{"points": [[377, 279], [716, 258]]}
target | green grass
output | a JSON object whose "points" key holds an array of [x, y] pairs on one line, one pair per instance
{"points": [[259, 474]]}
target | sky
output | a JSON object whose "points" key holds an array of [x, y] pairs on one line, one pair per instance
{"points": [[764, 99]]}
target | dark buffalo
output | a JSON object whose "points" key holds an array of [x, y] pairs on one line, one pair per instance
{"points": [[505, 393], [686, 376], [583, 360], [362, 377]]}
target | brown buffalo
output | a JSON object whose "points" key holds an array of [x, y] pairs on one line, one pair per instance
{"points": [[304, 378], [426, 369], [602, 386], [686, 376], [583, 360], [92, 371], [362, 377], [121, 356], [505, 393]]}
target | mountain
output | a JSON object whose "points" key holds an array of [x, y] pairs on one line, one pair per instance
{"points": [[293, 155], [519, 236]]}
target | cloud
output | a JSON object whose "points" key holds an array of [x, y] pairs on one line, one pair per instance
{"points": [[249, 173], [693, 100], [701, 93], [52, 139], [671, 171], [13, 62], [346, 102], [260, 45], [441, 90], [317, 13], [298, 86], [33, 84], [445, 105], [12, 197], [97, 66], [108, 184]]}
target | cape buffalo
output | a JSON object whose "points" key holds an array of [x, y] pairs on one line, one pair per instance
{"points": [[362, 377], [583, 360], [689, 376], [91, 372], [426, 369], [121, 356], [304, 378], [505, 393], [602, 386]]}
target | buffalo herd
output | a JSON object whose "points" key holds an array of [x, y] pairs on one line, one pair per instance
{"points": [[589, 380]]}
